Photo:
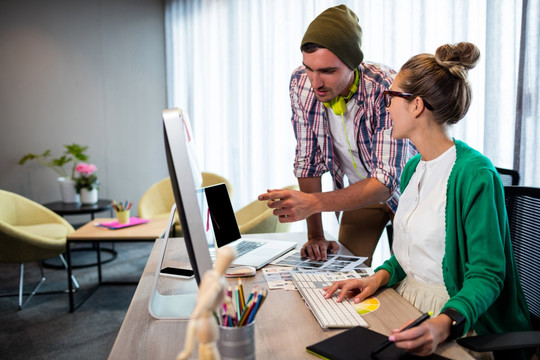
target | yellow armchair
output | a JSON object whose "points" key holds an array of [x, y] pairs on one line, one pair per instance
{"points": [[29, 232], [157, 201]]}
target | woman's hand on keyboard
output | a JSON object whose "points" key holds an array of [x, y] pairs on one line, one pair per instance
{"points": [[359, 288]]}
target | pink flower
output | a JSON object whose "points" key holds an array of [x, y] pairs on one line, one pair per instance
{"points": [[85, 169]]}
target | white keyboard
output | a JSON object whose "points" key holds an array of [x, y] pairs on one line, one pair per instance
{"points": [[328, 312]]}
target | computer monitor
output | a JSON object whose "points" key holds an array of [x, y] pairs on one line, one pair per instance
{"points": [[186, 179]]}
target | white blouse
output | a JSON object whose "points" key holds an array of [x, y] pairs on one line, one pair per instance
{"points": [[419, 223]]}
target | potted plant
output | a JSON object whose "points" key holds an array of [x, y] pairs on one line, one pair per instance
{"points": [[73, 153], [86, 183]]}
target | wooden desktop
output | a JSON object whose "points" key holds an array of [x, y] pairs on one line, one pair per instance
{"points": [[284, 325]]}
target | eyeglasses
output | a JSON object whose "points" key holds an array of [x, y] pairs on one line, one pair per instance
{"points": [[389, 94]]}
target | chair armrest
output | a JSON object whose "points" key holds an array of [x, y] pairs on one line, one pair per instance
{"points": [[506, 341]]}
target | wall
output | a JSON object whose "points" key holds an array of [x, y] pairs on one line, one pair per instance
{"points": [[89, 72]]}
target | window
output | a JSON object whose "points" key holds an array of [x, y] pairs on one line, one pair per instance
{"points": [[229, 64]]}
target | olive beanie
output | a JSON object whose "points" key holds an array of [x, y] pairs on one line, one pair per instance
{"points": [[337, 29]]}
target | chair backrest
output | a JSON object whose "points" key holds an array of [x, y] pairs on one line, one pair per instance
{"points": [[256, 217], [212, 179], [8, 206], [159, 198], [508, 176], [29, 231], [523, 207]]}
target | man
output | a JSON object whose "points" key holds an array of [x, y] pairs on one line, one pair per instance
{"points": [[341, 125]]}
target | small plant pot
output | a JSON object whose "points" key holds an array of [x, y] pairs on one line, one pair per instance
{"points": [[89, 196]]}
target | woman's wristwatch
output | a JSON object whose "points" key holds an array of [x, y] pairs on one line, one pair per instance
{"points": [[458, 323]]}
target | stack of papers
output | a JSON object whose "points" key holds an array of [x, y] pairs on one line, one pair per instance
{"points": [[343, 265]]}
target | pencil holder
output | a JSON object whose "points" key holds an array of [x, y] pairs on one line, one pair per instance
{"points": [[123, 216], [237, 343]]}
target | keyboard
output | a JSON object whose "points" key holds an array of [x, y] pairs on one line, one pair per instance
{"points": [[241, 248], [246, 246], [328, 312]]}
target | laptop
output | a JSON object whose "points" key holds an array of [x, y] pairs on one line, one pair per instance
{"points": [[250, 251]]}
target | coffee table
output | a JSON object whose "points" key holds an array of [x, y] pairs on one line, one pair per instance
{"points": [[92, 233], [74, 209], [63, 209]]}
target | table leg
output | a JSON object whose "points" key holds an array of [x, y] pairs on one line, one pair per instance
{"points": [[89, 292], [98, 261], [70, 284]]}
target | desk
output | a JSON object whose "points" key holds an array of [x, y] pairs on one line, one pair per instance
{"points": [[91, 233], [284, 325]]}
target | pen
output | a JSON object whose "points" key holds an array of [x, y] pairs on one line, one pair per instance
{"points": [[416, 322]]}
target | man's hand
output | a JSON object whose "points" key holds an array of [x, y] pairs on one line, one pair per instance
{"points": [[317, 249], [291, 205]]}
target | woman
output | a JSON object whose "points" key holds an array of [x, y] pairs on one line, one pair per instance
{"points": [[452, 250]]}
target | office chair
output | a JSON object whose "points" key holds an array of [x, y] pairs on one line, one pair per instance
{"points": [[256, 218], [509, 177], [157, 201], [523, 206], [30, 232]]}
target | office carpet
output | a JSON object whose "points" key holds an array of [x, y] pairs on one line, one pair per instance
{"points": [[44, 328]]}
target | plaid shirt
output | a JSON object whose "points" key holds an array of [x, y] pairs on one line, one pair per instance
{"points": [[383, 156]]}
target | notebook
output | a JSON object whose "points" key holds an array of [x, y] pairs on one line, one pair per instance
{"points": [[256, 252], [114, 225], [357, 344]]}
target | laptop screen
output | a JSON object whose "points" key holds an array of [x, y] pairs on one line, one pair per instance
{"points": [[222, 214]]}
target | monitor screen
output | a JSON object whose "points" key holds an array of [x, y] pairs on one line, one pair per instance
{"points": [[186, 179]]}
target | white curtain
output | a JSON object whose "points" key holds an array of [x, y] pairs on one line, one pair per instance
{"points": [[229, 63], [527, 133]]}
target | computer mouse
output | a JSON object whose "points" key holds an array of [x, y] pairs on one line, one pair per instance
{"points": [[240, 271]]}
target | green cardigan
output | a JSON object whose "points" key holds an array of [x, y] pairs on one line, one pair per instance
{"points": [[478, 265]]}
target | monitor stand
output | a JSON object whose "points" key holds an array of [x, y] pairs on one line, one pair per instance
{"points": [[169, 307], [172, 306]]}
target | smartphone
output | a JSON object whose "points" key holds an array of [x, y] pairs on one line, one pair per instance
{"points": [[177, 272]]}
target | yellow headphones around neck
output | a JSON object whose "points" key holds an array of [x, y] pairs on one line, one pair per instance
{"points": [[339, 103]]}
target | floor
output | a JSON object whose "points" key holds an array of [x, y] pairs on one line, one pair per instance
{"points": [[44, 328]]}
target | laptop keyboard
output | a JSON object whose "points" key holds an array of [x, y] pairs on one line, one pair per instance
{"points": [[246, 246], [328, 312]]}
